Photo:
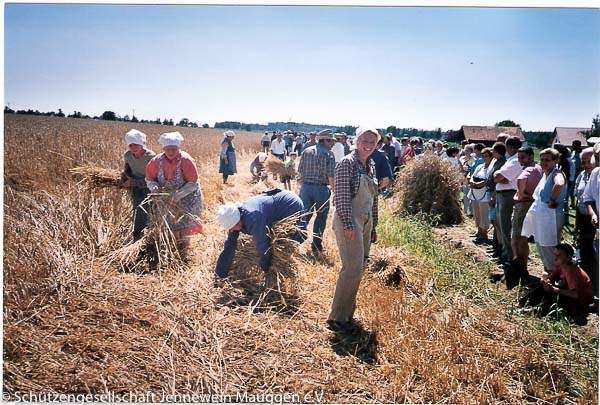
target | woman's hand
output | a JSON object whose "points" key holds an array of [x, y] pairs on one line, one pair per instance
{"points": [[547, 286], [225, 160], [154, 189], [552, 203], [349, 233], [126, 183]]}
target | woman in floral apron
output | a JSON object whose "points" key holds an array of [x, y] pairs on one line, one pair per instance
{"points": [[175, 172]]}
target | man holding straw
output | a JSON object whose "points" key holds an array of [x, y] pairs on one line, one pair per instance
{"points": [[255, 217], [354, 220]]}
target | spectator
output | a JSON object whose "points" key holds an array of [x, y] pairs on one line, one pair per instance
{"points": [[584, 230], [506, 187], [227, 161], [479, 197], [498, 153], [567, 285], [278, 147], [526, 184], [545, 218], [265, 142]]}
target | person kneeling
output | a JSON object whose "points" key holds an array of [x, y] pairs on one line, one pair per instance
{"points": [[568, 285]]}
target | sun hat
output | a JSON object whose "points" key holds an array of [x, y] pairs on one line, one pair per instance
{"points": [[325, 134], [228, 215], [170, 139], [363, 129], [133, 136]]}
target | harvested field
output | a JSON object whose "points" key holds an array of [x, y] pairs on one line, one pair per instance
{"points": [[74, 324]]}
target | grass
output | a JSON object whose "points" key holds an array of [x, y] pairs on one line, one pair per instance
{"points": [[456, 275]]}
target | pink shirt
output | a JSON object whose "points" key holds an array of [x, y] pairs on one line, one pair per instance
{"points": [[532, 176], [189, 171]]}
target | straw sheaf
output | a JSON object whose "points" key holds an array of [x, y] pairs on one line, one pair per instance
{"points": [[276, 166], [157, 248], [280, 282], [98, 176], [429, 186]]}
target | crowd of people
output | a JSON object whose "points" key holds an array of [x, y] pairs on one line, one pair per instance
{"points": [[508, 194]]}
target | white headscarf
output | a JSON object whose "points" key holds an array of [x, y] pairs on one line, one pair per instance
{"points": [[363, 129], [136, 137], [170, 139], [228, 134], [228, 215]]}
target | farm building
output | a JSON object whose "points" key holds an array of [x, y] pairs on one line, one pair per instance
{"points": [[486, 135], [566, 136]]}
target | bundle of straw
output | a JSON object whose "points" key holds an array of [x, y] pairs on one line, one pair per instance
{"points": [[276, 166], [98, 176], [430, 186], [280, 282], [158, 247]]}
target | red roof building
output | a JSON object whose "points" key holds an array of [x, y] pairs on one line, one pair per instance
{"points": [[487, 135], [566, 136]]}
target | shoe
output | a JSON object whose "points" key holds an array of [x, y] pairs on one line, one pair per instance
{"points": [[337, 326]]}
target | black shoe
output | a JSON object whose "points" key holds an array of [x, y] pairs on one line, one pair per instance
{"points": [[337, 326]]}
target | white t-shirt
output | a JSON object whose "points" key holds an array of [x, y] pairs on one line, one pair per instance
{"points": [[397, 146], [510, 170], [338, 151], [590, 194], [278, 147]]}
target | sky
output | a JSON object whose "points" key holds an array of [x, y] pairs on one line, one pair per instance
{"points": [[420, 67]]}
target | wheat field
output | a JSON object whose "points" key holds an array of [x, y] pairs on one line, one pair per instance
{"points": [[75, 325]]}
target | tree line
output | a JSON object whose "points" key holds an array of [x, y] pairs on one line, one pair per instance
{"points": [[535, 138], [106, 116]]}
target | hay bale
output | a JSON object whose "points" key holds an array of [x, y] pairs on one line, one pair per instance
{"points": [[98, 176], [276, 166], [429, 186], [279, 284]]}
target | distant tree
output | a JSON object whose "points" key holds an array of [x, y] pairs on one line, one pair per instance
{"points": [[60, 113], [184, 122], [507, 123], [134, 119], [108, 116], [193, 124], [595, 131], [205, 126], [126, 118], [8, 110]]}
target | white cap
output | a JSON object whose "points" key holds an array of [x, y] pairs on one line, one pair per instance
{"points": [[136, 137], [228, 215], [262, 156], [228, 134], [363, 129], [170, 139]]}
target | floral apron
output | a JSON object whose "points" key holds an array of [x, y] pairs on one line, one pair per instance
{"points": [[187, 217]]}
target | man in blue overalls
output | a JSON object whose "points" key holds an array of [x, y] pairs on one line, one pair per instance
{"points": [[254, 217]]}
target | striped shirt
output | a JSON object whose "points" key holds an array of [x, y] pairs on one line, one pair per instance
{"points": [[347, 182], [317, 165]]}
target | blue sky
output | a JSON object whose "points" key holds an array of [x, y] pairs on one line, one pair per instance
{"points": [[404, 66]]}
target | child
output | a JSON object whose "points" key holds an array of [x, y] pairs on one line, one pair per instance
{"points": [[290, 165], [573, 288]]}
